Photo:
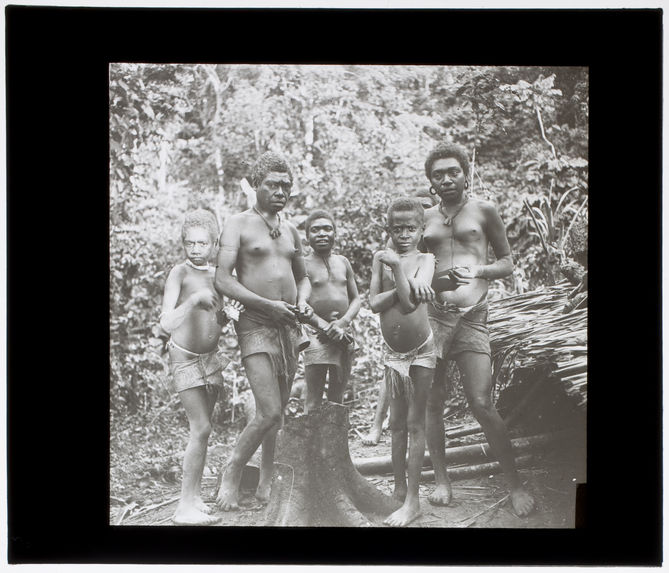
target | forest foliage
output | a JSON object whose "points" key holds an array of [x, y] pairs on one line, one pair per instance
{"points": [[185, 136]]}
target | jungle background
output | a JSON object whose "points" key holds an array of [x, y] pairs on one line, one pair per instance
{"points": [[185, 136]]}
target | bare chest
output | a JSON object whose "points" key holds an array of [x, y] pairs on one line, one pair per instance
{"points": [[466, 230], [193, 282], [257, 245], [323, 275]]}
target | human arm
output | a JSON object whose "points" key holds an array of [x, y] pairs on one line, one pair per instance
{"points": [[301, 277], [402, 287], [226, 284], [379, 301], [171, 315], [337, 327]]}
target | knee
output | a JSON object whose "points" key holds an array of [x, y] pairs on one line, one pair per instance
{"points": [[270, 419], [481, 406], [416, 426], [200, 431], [397, 424]]}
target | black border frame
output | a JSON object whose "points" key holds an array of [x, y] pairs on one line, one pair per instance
{"points": [[57, 221]]}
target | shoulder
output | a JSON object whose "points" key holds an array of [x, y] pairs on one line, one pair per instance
{"points": [[343, 260], [427, 258], [177, 272], [237, 220], [486, 207], [432, 211]]}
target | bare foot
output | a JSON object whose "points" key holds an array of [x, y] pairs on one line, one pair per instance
{"points": [[522, 501], [372, 438], [263, 491], [228, 496], [442, 494], [404, 515], [190, 515], [400, 492], [198, 503]]}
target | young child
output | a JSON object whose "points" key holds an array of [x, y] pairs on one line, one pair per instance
{"points": [[335, 301], [409, 349], [189, 315], [373, 437]]}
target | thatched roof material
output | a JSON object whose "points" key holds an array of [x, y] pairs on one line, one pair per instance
{"points": [[529, 330]]}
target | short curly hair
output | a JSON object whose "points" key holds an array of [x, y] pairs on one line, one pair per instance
{"points": [[406, 204], [268, 161], [444, 151], [200, 218], [318, 214]]}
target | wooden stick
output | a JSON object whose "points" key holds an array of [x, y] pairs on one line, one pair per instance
{"points": [[480, 513]]}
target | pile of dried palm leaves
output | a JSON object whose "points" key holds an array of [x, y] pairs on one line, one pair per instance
{"points": [[531, 330]]}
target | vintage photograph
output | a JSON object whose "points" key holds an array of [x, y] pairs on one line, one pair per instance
{"points": [[348, 295]]}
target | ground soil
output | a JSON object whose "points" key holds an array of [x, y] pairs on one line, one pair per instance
{"points": [[552, 478]]}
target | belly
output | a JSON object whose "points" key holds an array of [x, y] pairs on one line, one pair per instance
{"points": [[199, 332], [465, 295], [275, 282], [404, 332], [325, 302]]}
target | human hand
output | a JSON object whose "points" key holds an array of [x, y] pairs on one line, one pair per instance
{"points": [[467, 271], [335, 329], [448, 280], [303, 311], [281, 312], [421, 290], [389, 258], [205, 298]]}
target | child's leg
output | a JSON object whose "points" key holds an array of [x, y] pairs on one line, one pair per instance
{"points": [[267, 395], [374, 435], [212, 391], [436, 439], [195, 403], [315, 376], [422, 379], [336, 384], [398, 428]]}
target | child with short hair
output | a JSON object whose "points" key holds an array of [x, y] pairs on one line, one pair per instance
{"points": [[191, 315], [335, 300], [373, 437], [409, 347]]}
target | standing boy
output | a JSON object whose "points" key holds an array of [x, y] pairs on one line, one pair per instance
{"points": [[189, 315], [335, 301], [372, 438], [273, 285], [409, 354]]}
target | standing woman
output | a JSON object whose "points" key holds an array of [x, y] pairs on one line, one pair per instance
{"points": [[458, 231]]}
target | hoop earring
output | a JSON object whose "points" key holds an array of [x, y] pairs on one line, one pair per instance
{"points": [[432, 191], [466, 184]]}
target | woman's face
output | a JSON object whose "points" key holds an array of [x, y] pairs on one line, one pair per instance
{"points": [[448, 179]]}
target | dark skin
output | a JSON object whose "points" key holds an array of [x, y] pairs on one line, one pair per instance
{"points": [[461, 249], [335, 300], [271, 279], [405, 326]]}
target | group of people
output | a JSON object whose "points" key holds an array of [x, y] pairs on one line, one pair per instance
{"points": [[429, 285]]}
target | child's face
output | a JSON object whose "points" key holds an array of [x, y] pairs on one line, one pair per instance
{"points": [[321, 235], [198, 245], [405, 229]]}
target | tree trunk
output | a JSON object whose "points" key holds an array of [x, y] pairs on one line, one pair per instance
{"points": [[315, 482]]}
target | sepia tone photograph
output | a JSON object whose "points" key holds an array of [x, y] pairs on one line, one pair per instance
{"points": [[348, 295]]}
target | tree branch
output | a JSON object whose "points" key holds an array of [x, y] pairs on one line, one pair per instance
{"points": [[543, 133]]}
